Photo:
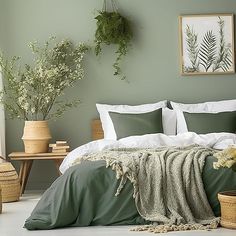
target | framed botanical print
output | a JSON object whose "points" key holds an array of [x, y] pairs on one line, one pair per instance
{"points": [[207, 44]]}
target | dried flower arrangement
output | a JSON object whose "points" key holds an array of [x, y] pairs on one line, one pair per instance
{"points": [[226, 158]]}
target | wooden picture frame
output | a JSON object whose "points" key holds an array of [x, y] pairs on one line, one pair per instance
{"points": [[206, 44]]}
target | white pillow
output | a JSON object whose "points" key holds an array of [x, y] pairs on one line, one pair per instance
{"points": [[206, 107], [107, 125], [169, 121]]}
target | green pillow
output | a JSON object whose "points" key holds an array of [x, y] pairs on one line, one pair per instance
{"points": [[203, 123], [137, 124]]}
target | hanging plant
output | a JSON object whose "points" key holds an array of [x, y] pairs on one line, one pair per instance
{"points": [[113, 28]]}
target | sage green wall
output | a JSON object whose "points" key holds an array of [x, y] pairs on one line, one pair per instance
{"points": [[3, 28], [152, 67]]}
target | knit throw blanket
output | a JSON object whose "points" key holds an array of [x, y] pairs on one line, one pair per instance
{"points": [[168, 188]]}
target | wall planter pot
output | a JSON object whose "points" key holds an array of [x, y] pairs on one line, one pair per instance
{"points": [[228, 209], [36, 136], [113, 28]]}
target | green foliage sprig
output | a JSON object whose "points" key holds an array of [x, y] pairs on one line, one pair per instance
{"points": [[31, 92], [191, 39], [207, 51], [113, 28], [223, 60]]}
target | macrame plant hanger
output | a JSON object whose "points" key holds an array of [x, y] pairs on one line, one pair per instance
{"points": [[112, 5]]}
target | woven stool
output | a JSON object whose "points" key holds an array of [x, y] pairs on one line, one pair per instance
{"points": [[9, 183]]}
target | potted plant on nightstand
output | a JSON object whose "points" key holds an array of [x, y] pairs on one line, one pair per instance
{"points": [[227, 159], [31, 92]]}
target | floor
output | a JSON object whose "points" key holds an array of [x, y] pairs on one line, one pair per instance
{"points": [[14, 215]]}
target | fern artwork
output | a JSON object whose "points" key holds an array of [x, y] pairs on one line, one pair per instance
{"points": [[207, 44]]}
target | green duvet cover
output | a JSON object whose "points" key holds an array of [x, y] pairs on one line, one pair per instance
{"points": [[85, 195]]}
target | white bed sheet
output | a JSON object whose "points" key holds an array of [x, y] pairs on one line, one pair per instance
{"points": [[212, 140]]}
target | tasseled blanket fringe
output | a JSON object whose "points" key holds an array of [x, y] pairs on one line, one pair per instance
{"points": [[168, 228]]}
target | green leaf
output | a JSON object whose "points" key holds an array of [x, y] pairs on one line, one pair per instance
{"points": [[207, 51]]}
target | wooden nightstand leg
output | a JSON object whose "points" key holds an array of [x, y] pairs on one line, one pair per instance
{"points": [[25, 174], [21, 171], [57, 164]]}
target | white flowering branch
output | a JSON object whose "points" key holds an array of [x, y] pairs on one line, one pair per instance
{"points": [[32, 93]]}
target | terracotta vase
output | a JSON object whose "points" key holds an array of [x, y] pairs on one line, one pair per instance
{"points": [[36, 136]]}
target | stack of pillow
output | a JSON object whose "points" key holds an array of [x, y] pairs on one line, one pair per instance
{"points": [[120, 121]]}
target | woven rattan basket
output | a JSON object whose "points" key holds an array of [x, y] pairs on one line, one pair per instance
{"points": [[0, 200], [228, 209], [9, 182]]}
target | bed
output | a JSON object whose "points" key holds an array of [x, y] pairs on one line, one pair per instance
{"points": [[85, 195]]}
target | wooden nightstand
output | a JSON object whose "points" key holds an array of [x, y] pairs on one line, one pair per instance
{"points": [[27, 161]]}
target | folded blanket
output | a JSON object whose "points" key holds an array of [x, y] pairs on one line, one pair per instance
{"points": [[168, 187]]}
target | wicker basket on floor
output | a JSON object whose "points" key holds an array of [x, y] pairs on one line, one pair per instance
{"points": [[0, 200], [228, 209], [9, 182]]}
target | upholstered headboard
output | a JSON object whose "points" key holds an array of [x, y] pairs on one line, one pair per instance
{"points": [[97, 131]]}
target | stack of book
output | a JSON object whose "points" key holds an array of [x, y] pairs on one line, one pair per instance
{"points": [[60, 146]]}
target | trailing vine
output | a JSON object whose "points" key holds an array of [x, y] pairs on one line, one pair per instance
{"points": [[113, 28]]}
